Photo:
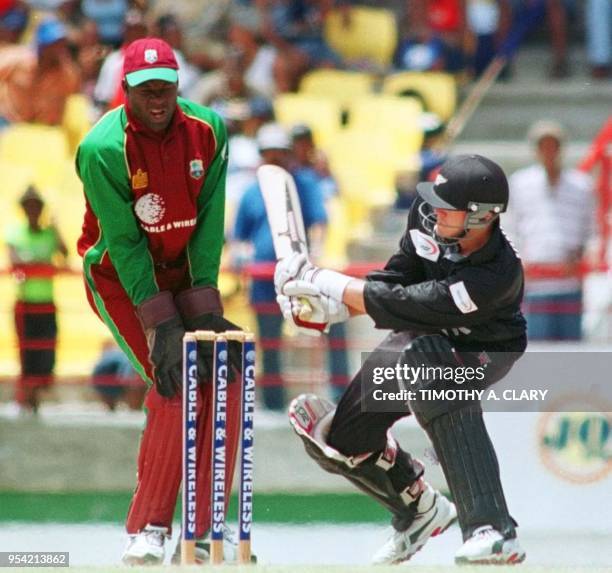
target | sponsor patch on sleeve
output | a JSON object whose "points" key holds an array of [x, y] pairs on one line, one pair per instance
{"points": [[462, 298]]}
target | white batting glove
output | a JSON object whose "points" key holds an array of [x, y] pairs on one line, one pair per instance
{"points": [[289, 269], [298, 267], [291, 308], [309, 309]]}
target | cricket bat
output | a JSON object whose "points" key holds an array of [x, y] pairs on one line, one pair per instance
{"points": [[285, 216]]}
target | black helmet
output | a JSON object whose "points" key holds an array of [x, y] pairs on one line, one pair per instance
{"points": [[469, 183]]}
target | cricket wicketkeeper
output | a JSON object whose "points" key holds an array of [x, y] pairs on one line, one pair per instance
{"points": [[154, 172], [451, 297]]}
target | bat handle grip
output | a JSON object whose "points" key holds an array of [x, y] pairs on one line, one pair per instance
{"points": [[305, 310]]}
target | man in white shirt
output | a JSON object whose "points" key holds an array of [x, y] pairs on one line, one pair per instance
{"points": [[550, 219]]}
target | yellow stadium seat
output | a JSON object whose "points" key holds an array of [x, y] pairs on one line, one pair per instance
{"points": [[68, 205], [322, 115], [42, 148], [77, 120], [396, 117], [337, 234], [438, 89], [364, 165], [340, 85], [371, 34]]}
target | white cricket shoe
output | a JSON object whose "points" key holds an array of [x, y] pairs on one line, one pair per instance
{"points": [[487, 546], [146, 547], [435, 514]]}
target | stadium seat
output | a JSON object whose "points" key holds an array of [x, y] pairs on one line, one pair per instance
{"points": [[337, 234], [70, 204], [396, 117], [438, 90], [370, 35], [364, 165], [76, 122], [322, 115], [340, 85], [42, 148]]}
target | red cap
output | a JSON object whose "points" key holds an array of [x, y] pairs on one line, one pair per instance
{"points": [[149, 59]]}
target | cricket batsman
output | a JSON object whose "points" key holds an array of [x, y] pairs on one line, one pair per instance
{"points": [[451, 296], [153, 172]]}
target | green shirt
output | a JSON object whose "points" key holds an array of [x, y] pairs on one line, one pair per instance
{"points": [[34, 247], [154, 200]]}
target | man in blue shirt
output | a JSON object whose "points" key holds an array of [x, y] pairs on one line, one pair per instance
{"points": [[252, 227]]}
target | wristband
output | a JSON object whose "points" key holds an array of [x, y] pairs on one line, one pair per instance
{"points": [[157, 309], [330, 283]]}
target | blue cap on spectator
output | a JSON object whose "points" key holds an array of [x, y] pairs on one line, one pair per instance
{"points": [[15, 19], [261, 107], [50, 31]]}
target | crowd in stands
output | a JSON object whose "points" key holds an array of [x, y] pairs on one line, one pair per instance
{"points": [[260, 48]]}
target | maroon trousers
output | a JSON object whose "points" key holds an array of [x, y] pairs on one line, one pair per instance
{"points": [[36, 328]]}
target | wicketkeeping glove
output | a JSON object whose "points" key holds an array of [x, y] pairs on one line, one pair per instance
{"points": [[201, 309], [164, 332]]}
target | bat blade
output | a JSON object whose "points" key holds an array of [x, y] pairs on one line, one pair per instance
{"points": [[284, 216], [283, 209]]}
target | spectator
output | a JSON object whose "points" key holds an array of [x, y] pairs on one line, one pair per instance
{"points": [[167, 28], [35, 84], [90, 55], [227, 83], [109, 16], [243, 160], [244, 118], [32, 248], [557, 22], [527, 13], [312, 162], [487, 21], [108, 92], [252, 231], [205, 26], [114, 379], [418, 49], [550, 218], [295, 29], [599, 37], [436, 30], [13, 21], [261, 111], [311, 165], [259, 58]]}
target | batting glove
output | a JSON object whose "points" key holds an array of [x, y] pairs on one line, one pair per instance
{"points": [[311, 311], [298, 267]]}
